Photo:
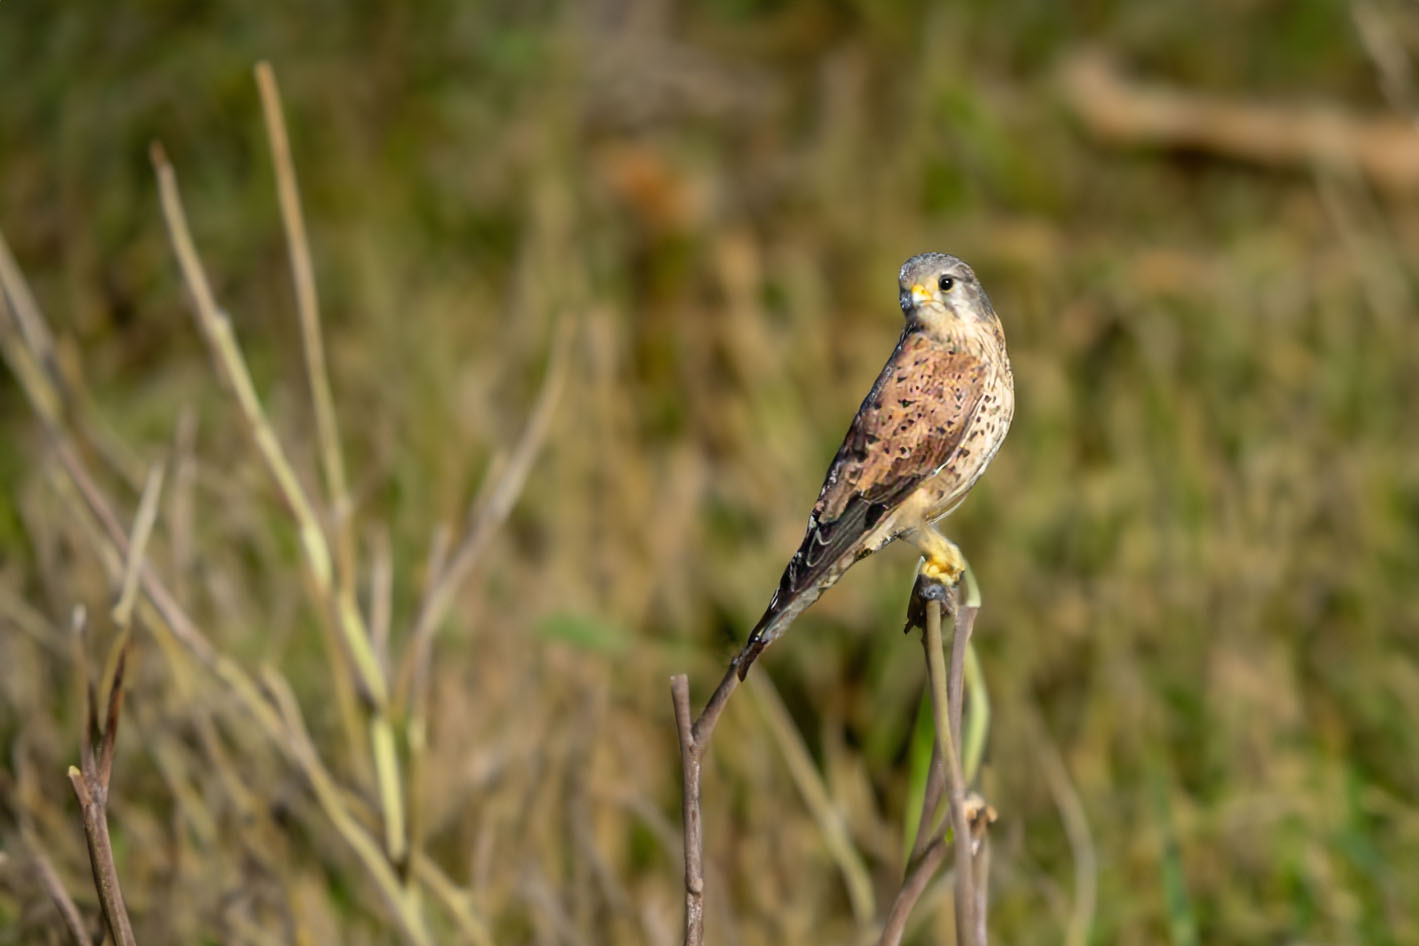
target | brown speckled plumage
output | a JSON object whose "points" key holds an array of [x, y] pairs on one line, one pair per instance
{"points": [[931, 424]]}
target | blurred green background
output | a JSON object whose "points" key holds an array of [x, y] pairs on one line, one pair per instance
{"points": [[1198, 547]]}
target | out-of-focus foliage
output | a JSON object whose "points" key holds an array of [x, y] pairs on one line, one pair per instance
{"points": [[1198, 547]]}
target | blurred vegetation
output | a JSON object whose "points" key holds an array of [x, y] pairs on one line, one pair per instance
{"points": [[1198, 547]]}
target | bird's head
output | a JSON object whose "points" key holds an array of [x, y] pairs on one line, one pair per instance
{"points": [[941, 292]]}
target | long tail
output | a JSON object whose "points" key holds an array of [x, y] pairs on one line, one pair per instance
{"points": [[772, 625], [787, 604]]}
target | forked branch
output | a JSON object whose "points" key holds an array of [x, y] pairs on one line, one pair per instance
{"points": [[90, 779], [694, 739], [968, 816]]}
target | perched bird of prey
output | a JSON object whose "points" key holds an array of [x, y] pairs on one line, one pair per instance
{"points": [[927, 430]]}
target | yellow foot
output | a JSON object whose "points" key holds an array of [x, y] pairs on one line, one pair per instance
{"points": [[944, 569]]}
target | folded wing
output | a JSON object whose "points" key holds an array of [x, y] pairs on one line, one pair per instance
{"points": [[906, 430]]}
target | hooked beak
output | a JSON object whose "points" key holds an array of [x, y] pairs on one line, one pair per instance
{"points": [[920, 294]]}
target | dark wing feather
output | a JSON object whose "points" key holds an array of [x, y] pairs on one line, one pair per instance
{"points": [[908, 427]]}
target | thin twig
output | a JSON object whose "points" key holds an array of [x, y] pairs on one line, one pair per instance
{"points": [[142, 529], [167, 613], [160, 610], [90, 780], [694, 738], [37, 368], [92, 777], [301, 748], [216, 326], [690, 813], [956, 786], [327, 430]]}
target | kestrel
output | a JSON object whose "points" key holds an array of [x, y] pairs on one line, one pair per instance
{"points": [[927, 430]]}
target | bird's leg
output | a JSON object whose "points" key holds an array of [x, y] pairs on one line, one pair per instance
{"points": [[936, 578], [942, 562]]}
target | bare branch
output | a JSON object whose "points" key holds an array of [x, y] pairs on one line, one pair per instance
{"points": [[299, 747], [327, 430], [1120, 109], [227, 354], [690, 813], [694, 740], [91, 783]]}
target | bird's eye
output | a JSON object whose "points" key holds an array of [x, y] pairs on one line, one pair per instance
{"points": [[945, 282]]}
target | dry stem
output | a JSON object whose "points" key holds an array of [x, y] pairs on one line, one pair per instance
{"points": [[947, 776], [307, 305], [171, 623], [216, 326], [948, 735], [694, 739], [1116, 108], [90, 780]]}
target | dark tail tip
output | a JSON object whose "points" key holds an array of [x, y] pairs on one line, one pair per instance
{"points": [[754, 646], [745, 659]]}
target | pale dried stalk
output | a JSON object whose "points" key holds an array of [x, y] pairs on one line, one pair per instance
{"points": [[143, 523], [327, 429], [404, 899], [38, 370], [217, 328], [307, 305], [171, 624]]}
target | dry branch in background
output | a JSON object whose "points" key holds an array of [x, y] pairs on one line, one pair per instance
{"points": [[91, 778], [359, 661], [1124, 110], [968, 816]]}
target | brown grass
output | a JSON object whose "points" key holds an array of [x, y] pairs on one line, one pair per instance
{"points": [[1197, 546]]}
